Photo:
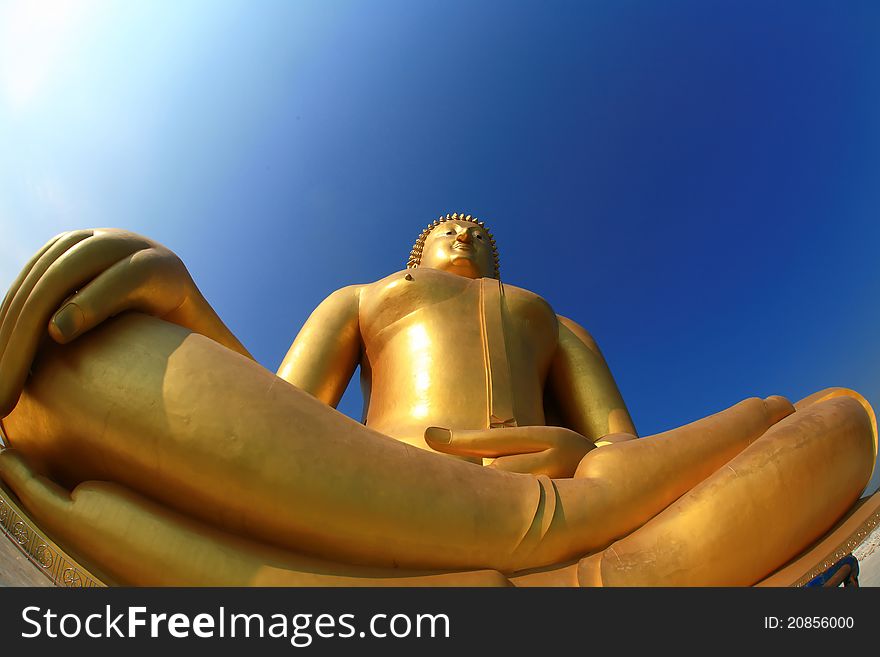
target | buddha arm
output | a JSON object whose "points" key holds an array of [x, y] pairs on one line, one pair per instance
{"points": [[326, 351], [581, 384]]}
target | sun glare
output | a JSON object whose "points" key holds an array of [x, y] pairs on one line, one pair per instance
{"points": [[33, 37]]}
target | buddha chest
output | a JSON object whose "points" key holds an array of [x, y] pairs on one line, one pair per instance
{"points": [[452, 349]]}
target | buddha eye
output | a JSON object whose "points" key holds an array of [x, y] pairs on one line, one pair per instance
{"points": [[479, 237], [450, 232]]}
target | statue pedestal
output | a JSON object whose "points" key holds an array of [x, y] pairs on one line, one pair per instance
{"points": [[16, 569], [29, 558], [868, 554]]}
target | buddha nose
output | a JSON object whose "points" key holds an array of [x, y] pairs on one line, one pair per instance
{"points": [[464, 236]]}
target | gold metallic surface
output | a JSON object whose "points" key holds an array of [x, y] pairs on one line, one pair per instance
{"points": [[849, 533], [154, 447], [49, 559], [672, 548]]}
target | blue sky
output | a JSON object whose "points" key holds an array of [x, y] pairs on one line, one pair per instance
{"points": [[694, 182]]}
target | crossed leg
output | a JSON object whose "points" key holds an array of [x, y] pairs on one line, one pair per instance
{"points": [[198, 430], [761, 509]]}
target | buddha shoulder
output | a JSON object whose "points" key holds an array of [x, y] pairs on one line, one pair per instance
{"points": [[529, 307]]}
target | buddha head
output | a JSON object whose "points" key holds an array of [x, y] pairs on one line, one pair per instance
{"points": [[458, 244]]}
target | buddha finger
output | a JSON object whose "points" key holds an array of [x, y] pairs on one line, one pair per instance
{"points": [[10, 294], [42, 497], [489, 443], [77, 266], [31, 274], [554, 463], [148, 280], [558, 462]]}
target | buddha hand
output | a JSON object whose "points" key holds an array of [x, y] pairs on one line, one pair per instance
{"points": [[75, 282], [552, 451]]}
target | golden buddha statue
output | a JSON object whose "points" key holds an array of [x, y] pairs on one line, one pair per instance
{"points": [[495, 446]]}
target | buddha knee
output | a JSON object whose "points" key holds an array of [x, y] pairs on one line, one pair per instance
{"points": [[777, 408], [601, 461]]}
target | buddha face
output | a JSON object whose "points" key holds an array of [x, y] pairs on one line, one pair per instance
{"points": [[459, 247]]}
